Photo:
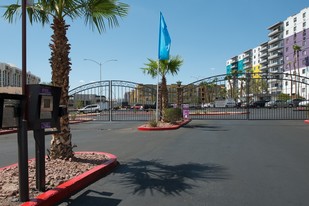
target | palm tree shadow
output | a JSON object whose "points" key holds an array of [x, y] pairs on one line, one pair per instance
{"points": [[154, 176]]}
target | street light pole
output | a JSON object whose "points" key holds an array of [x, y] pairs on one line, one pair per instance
{"points": [[100, 64]]}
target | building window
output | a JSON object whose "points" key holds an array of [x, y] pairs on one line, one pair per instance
{"points": [[294, 28], [304, 15], [295, 19], [286, 83], [287, 32], [287, 58], [287, 40], [304, 33], [304, 43], [304, 24], [304, 52], [303, 71], [286, 49], [287, 23]]}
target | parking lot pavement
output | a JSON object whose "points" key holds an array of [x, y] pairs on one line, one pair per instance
{"points": [[205, 162]]}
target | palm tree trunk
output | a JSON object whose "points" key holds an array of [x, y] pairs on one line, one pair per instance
{"points": [[164, 95], [61, 145]]}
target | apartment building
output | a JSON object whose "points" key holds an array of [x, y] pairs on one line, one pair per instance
{"points": [[11, 78], [278, 56], [275, 57], [296, 52]]}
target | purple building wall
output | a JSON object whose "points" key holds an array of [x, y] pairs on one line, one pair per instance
{"points": [[301, 39]]}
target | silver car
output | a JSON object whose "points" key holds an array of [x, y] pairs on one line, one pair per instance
{"points": [[276, 104], [90, 109]]}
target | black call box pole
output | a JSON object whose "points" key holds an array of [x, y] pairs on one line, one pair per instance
{"points": [[43, 113]]}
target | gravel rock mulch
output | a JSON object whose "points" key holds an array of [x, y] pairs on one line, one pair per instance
{"points": [[57, 172]]}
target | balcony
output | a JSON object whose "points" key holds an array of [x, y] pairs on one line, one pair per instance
{"points": [[264, 48], [246, 61], [273, 64], [264, 67], [273, 32], [234, 66], [263, 61], [264, 54], [274, 48], [273, 40], [273, 56]]}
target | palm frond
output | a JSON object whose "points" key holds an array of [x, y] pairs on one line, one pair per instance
{"points": [[97, 12]]}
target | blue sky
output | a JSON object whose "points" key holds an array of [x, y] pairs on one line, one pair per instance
{"points": [[205, 33]]}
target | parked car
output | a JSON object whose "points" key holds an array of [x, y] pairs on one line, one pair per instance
{"points": [[137, 106], [294, 102], [304, 103], [258, 104], [230, 103], [210, 104], [90, 109], [276, 104]]}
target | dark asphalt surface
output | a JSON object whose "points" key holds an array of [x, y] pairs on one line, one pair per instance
{"points": [[205, 163]]}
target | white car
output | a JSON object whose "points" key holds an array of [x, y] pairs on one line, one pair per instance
{"points": [[304, 103], [93, 108]]}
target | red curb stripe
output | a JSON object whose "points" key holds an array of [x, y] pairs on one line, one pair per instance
{"points": [[306, 121], [67, 189]]}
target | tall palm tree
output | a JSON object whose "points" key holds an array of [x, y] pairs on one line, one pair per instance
{"points": [[96, 13], [171, 66], [297, 49]]}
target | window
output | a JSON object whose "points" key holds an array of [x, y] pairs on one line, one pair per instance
{"points": [[286, 83], [304, 24], [304, 15], [287, 32], [287, 23], [287, 58], [287, 40], [294, 28], [295, 19], [303, 71], [286, 49]]}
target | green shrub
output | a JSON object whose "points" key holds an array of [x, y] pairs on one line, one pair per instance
{"points": [[153, 123], [172, 115]]}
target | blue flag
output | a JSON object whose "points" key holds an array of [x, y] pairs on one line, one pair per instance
{"points": [[164, 40]]}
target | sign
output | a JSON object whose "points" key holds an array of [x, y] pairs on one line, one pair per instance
{"points": [[185, 111]]}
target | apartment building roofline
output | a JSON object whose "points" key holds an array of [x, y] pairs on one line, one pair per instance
{"points": [[275, 25]]}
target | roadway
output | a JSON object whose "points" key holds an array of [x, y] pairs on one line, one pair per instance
{"points": [[207, 162]]}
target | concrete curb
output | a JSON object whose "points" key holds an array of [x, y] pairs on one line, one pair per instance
{"points": [[69, 188], [143, 128]]}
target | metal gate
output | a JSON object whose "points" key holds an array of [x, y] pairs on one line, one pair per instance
{"points": [[117, 100], [250, 96]]}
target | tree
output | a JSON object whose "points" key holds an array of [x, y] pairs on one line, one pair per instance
{"points": [[95, 13], [166, 66], [297, 49]]}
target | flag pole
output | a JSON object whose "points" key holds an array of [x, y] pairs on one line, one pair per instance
{"points": [[157, 104]]}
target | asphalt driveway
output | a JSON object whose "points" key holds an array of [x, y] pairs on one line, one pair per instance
{"points": [[206, 162]]}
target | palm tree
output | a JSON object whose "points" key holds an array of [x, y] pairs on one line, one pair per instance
{"points": [[166, 66], [297, 49], [96, 14]]}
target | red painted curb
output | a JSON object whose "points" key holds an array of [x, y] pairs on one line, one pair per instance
{"points": [[142, 128], [306, 121], [67, 189]]}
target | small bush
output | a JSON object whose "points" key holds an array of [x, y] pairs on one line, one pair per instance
{"points": [[172, 115], [153, 123]]}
